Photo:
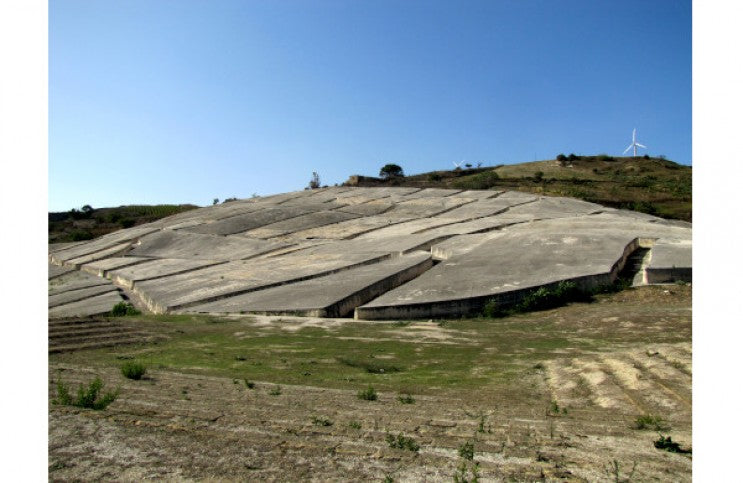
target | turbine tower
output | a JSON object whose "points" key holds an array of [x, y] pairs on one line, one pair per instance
{"points": [[634, 144]]}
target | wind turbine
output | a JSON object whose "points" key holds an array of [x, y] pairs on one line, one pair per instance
{"points": [[459, 164], [634, 144]]}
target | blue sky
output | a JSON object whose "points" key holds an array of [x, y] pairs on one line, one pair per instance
{"points": [[183, 101]]}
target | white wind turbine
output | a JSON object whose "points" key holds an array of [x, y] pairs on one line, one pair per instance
{"points": [[634, 144], [459, 164]]}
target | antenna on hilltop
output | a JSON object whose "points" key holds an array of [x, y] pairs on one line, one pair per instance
{"points": [[634, 144]]}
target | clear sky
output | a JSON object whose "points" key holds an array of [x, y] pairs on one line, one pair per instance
{"points": [[180, 101]]}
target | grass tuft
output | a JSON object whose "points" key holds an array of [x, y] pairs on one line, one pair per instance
{"points": [[368, 394]]}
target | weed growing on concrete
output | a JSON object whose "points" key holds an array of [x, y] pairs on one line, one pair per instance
{"points": [[133, 370], [354, 425], [402, 442], [249, 384], [665, 443], [90, 398], [276, 391], [465, 474], [467, 451], [406, 399], [647, 421], [368, 394], [613, 472], [321, 421], [123, 309]]}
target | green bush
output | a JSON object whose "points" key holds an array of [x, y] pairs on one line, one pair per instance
{"points": [[81, 235], [90, 398], [133, 370], [368, 394], [402, 442], [126, 223], [467, 450], [123, 309]]}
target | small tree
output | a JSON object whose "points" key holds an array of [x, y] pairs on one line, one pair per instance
{"points": [[216, 200], [562, 157], [390, 171]]}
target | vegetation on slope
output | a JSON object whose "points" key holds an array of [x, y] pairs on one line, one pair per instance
{"points": [[655, 186], [88, 223]]}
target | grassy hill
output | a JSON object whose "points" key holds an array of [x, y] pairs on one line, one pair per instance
{"points": [[651, 185], [89, 223]]}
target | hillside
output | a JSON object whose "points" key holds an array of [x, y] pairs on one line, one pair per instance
{"points": [[650, 185], [89, 223]]}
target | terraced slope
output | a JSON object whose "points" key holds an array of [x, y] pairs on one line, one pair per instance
{"points": [[373, 252]]}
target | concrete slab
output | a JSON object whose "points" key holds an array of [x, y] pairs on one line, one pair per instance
{"points": [[483, 208], [492, 245], [369, 207], [334, 295], [248, 221], [197, 246], [73, 281], [101, 268], [670, 261], [504, 268], [113, 251], [57, 271], [299, 223], [79, 294], [97, 305], [349, 229], [432, 193], [157, 268], [234, 278], [105, 242]]}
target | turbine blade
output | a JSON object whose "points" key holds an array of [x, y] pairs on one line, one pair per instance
{"points": [[628, 148], [641, 146]]}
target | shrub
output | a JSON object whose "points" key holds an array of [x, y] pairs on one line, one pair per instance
{"points": [[665, 443], [604, 157], [406, 399], [402, 442], [126, 223], [539, 175], [123, 309], [354, 425], [467, 450], [462, 476], [133, 370], [368, 394], [90, 398], [648, 421], [249, 384], [434, 177], [276, 391], [561, 157], [390, 171], [321, 421], [81, 235]]}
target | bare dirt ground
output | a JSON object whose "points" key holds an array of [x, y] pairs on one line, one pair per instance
{"points": [[547, 396]]}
